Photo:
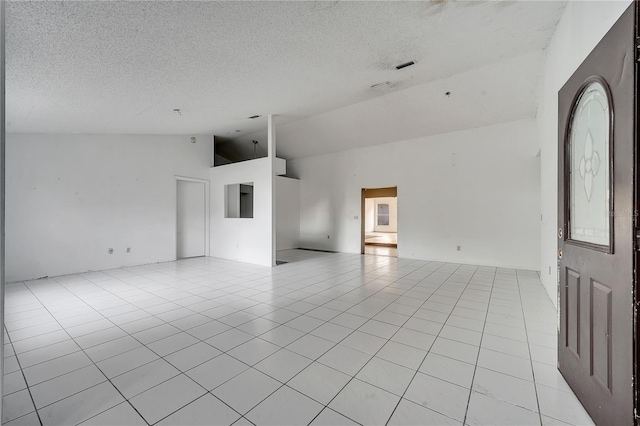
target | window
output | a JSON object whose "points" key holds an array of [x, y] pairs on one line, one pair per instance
{"points": [[239, 200], [383, 214]]}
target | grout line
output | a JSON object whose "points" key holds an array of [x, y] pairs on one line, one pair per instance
{"points": [[25, 382], [475, 368], [526, 331]]}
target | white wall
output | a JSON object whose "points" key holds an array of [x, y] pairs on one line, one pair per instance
{"points": [[393, 214], [478, 188], [71, 197], [243, 239], [369, 214], [581, 27], [287, 213]]}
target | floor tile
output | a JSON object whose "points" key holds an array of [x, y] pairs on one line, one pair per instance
{"points": [[157, 332], [99, 337], [173, 343], [507, 364], [282, 335], [40, 341], [440, 396], [364, 342], [424, 326], [166, 398], [26, 420], [206, 410], [375, 317], [13, 382], [484, 410], [506, 388], [386, 375], [401, 354], [66, 385], [304, 323], [217, 371], [246, 390], [448, 369], [121, 414], [408, 413], [550, 421], [283, 365], [253, 351], [112, 348], [81, 406], [378, 328], [258, 326], [332, 332], [126, 361], [456, 350], [145, 377], [563, 406], [229, 339], [191, 356], [364, 403], [56, 367], [414, 338], [319, 382], [208, 330], [310, 346], [16, 405], [47, 353], [300, 409], [328, 417], [345, 359], [506, 346], [549, 375], [463, 335]]}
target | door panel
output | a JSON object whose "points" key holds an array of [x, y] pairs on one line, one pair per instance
{"points": [[596, 155], [573, 311], [190, 219]]}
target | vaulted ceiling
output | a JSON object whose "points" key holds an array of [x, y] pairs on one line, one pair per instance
{"points": [[123, 67]]}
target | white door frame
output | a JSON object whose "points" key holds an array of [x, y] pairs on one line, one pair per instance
{"points": [[206, 213]]}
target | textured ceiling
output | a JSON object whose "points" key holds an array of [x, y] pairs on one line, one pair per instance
{"points": [[123, 67]]}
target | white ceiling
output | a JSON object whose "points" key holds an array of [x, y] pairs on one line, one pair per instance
{"points": [[122, 67]]}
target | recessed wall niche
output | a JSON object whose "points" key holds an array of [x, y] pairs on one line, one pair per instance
{"points": [[239, 200]]}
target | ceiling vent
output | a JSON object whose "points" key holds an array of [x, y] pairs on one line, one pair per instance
{"points": [[253, 117], [406, 64]]}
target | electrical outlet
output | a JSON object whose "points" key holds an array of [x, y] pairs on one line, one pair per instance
{"points": [[128, 249], [327, 237], [110, 251], [458, 248]]}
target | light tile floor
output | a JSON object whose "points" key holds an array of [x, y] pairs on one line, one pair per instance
{"points": [[326, 339]]}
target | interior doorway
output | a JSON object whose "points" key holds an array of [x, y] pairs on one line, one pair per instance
{"points": [[191, 218], [379, 230]]}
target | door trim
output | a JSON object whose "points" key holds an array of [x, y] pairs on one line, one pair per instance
{"points": [[389, 191], [207, 217]]}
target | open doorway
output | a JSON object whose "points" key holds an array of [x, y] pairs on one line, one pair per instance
{"points": [[379, 230], [191, 218]]}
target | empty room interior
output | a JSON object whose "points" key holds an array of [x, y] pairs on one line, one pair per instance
{"points": [[189, 240]]}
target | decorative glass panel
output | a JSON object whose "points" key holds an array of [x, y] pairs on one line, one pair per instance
{"points": [[589, 169]]}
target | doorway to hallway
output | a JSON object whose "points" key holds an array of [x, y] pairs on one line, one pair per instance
{"points": [[379, 230]]}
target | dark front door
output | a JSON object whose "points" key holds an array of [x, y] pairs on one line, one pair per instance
{"points": [[596, 226]]}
